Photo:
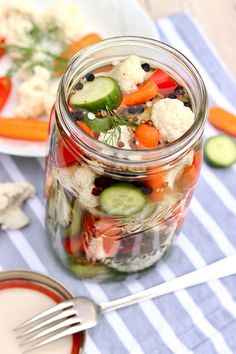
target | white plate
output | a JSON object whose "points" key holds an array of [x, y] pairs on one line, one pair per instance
{"points": [[106, 17]]}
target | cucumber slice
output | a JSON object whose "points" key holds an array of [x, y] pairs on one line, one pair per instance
{"points": [[220, 151], [63, 208], [90, 271], [98, 125], [52, 202], [146, 115], [122, 199], [76, 222], [98, 94], [147, 211]]}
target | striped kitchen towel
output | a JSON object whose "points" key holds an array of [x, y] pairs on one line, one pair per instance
{"points": [[201, 320]]}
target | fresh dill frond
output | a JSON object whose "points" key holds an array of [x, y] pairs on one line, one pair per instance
{"points": [[25, 56], [40, 40], [36, 33], [117, 120]]}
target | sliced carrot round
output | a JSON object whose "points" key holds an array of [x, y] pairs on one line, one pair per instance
{"points": [[147, 136], [156, 181]]}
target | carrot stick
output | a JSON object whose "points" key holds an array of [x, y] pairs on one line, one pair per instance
{"points": [[197, 161], [85, 127], [23, 129], [73, 48], [2, 49], [190, 177], [191, 173], [144, 93], [223, 120], [84, 41]]}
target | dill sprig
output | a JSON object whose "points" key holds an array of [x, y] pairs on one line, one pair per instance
{"points": [[117, 120], [38, 34], [25, 55]]}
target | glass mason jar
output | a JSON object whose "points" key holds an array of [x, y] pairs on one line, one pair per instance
{"points": [[95, 245]]}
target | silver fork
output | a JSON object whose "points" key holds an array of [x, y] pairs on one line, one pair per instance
{"points": [[81, 313]]}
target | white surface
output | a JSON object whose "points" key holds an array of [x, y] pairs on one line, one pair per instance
{"points": [[106, 17], [17, 306]]}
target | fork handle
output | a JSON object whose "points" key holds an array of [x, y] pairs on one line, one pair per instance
{"points": [[216, 270]]}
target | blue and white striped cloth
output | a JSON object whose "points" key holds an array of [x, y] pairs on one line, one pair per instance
{"points": [[201, 320]]}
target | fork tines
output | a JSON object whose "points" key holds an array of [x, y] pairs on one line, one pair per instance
{"points": [[49, 326]]}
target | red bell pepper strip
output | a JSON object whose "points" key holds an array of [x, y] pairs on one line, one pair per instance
{"points": [[5, 90], [165, 83], [2, 49], [64, 156], [73, 245], [106, 231]]}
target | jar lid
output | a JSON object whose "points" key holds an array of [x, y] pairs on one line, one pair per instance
{"points": [[29, 285]]}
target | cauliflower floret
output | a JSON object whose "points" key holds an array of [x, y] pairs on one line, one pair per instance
{"points": [[78, 180], [95, 249], [84, 177], [66, 17], [129, 73], [12, 196], [169, 200], [16, 21], [114, 136], [171, 118], [174, 173], [32, 93], [36, 93], [49, 98], [87, 199], [102, 247], [63, 208], [65, 177]]}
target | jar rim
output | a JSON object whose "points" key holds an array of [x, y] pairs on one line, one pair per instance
{"points": [[125, 156]]}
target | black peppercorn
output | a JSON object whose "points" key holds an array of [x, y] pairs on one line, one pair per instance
{"points": [[146, 67], [179, 90], [146, 189], [79, 114], [139, 109], [79, 86], [132, 110], [187, 104], [96, 191], [171, 95], [102, 182], [89, 77], [136, 109]]}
